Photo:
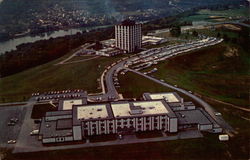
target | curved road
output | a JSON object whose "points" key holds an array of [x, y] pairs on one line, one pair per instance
{"points": [[111, 92], [206, 106]]}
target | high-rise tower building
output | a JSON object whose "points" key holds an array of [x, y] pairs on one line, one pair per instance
{"points": [[128, 36]]}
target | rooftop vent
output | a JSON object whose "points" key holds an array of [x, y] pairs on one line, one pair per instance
{"points": [[99, 109]]}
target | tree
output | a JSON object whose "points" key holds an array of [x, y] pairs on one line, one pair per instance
{"points": [[225, 37], [175, 31], [218, 35], [195, 33]]}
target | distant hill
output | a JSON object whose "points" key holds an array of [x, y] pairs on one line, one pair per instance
{"points": [[17, 16]]}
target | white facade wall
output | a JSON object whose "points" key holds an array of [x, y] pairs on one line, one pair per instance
{"points": [[49, 140], [143, 123], [77, 133], [68, 139], [128, 37], [205, 127], [173, 125]]}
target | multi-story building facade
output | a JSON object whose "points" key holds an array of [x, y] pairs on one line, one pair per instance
{"points": [[128, 36], [166, 112]]}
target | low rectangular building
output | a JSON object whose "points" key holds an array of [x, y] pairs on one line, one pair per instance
{"points": [[159, 111], [109, 52], [56, 127], [194, 119], [171, 97]]}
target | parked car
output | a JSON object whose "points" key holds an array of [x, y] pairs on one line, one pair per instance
{"points": [[34, 132], [11, 124], [11, 141], [218, 114]]}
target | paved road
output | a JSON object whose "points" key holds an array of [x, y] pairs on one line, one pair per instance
{"points": [[206, 106], [74, 54], [10, 132], [110, 90], [108, 87], [127, 139]]}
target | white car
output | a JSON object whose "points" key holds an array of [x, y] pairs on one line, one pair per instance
{"points": [[34, 132], [218, 114], [11, 142]]}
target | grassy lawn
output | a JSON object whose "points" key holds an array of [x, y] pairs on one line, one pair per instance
{"points": [[218, 72], [141, 85], [102, 138], [49, 77], [149, 134], [215, 16], [229, 13], [77, 58]]}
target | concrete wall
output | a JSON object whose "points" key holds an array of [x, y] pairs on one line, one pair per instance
{"points": [[49, 140], [54, 118], [205, 127], [77, 133], [173, 125]]}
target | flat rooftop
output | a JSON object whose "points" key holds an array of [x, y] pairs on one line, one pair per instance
{"points": [[168, 96], [67, 104], [123, 109], [95, 111], [49, 129], [192, 117]]}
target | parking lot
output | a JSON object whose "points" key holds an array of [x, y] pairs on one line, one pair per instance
{"points": [[10, 132], [55, 95]]}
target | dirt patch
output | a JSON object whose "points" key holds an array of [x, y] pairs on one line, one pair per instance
{"points": [[231, 52], [229, 26]]}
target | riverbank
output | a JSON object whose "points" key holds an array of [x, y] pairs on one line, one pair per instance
{"points": [[13, 43]]}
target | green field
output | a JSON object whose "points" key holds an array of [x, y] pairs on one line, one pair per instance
{"points": [[204, 15], [220, 72], [80, 58], [49, 77], [236, 148]]}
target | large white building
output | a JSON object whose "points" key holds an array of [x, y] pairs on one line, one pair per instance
{"points": [[128, 36], [76, 120]]}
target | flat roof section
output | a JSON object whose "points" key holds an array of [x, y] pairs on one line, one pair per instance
{"points": [[92, 112], [67, 104], [49, 130], [64, 124], [192, 117], [58, 113], [169, 97], [123, 109]]}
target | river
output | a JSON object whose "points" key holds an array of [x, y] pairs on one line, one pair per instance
{"points": [[13, 43]]}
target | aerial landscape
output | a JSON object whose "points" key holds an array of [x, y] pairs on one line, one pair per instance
{"points": [[134, 79]]}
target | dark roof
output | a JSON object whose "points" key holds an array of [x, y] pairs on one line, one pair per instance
{"points": [[128, 22], [49, 130], [192, 117], [58, 113], [64, 124]]}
